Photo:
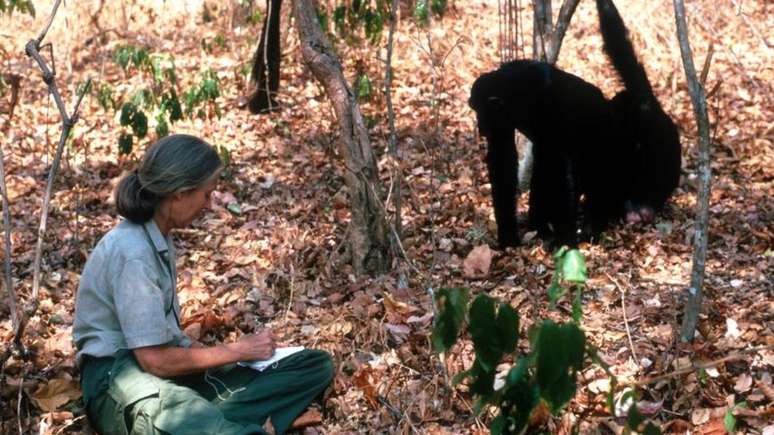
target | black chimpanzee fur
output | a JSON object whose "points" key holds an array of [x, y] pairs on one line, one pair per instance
{"points": [[576, 152], [619, 157], [657, 160]]}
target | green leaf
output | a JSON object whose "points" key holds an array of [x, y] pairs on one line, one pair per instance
{"points": [[507, 327], [651, 429], [555, 292], [522, 395], [374, 24], [483, 381], [162, 127], [122, 56], [339, 19], [127, 113], [234, 207], [322, 20], [497, 427], [577, 306], [363, 87], [451, 303], [140, 124], [560, 351], [482, 327], [635, 417], [574, 267], [729, 421], [421, 12], [125, 143], [438, 7], [172, 106]]}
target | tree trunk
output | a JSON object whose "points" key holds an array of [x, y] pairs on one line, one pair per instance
{"points": [[699, 101], [368, 230], [266, 62]]}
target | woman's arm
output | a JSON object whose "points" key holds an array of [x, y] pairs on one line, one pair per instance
{"points": [[168, 361]]}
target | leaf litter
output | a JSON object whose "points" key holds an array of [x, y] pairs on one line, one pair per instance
{"points": [[272, 252]]}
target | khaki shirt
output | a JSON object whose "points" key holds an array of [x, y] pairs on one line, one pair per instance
{"points": [[126, 297]]}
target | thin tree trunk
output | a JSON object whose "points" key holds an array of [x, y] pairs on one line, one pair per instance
{"points": [[369, 230], [693, 301], [266, 62], [393, 137]]}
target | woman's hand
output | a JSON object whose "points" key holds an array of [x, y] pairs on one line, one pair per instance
{"points": [[258, 346]]}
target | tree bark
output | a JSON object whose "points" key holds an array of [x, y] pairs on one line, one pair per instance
{"points": [[266, 62], [368, 229], [693, 301]]}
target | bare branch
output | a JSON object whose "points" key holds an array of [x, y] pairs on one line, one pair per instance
{"points": [[694, 293], [32, 48], [7, 260], [562, 23]]}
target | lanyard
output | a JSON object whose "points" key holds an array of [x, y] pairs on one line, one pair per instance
{"points": [[163, 260]]}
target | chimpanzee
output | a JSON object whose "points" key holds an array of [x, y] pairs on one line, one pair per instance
{"points": [[657, 160], [595, 159], [575, 146]]}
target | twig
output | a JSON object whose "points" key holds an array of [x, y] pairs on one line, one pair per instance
{"points": [[32, 49], [7, 260], [393, 137], [704, 365], [292, 290], [625, 319], [18, 402]]}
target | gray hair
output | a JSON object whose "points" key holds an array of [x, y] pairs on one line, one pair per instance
{"points": [[176, 163]]}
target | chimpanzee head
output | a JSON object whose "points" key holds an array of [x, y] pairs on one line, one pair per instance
{"points": [[486, 101]]}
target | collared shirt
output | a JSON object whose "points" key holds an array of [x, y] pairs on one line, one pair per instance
{"points": [[126, 297]]}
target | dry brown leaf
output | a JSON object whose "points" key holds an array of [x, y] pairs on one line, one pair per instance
{"points": [[50, 396], [478, 262]]}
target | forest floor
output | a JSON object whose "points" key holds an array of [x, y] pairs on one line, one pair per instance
{"points": [[272, 251]]}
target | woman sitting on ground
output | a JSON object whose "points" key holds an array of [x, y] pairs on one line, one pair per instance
{"points": [[139, 373]]}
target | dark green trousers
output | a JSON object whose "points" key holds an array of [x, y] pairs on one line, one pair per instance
{"points": [[122, 399]]}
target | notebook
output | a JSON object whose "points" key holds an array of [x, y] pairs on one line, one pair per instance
{"points": [[279, 353]]}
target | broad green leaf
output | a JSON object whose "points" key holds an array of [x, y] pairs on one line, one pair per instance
{"points": [[172, 105], [363, 87], [438, 7], [729, 421], [651, 429], [507, 327], [483, 381], [421, 12], [560, 350], [451, 304], [574, 267], [162, 127], [140, 124], [125, 143], [522, 395], [339, 19], [497, 427], [127, 113], [483, 329], [635, 417]]}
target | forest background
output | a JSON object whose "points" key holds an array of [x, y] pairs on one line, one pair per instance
{"points": [[273, 250]]}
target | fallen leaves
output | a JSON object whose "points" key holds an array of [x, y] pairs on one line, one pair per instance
{"points": [[55, 393], [478, 262]]}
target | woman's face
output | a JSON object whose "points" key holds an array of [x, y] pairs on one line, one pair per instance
{"points": [[186, 206]]}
